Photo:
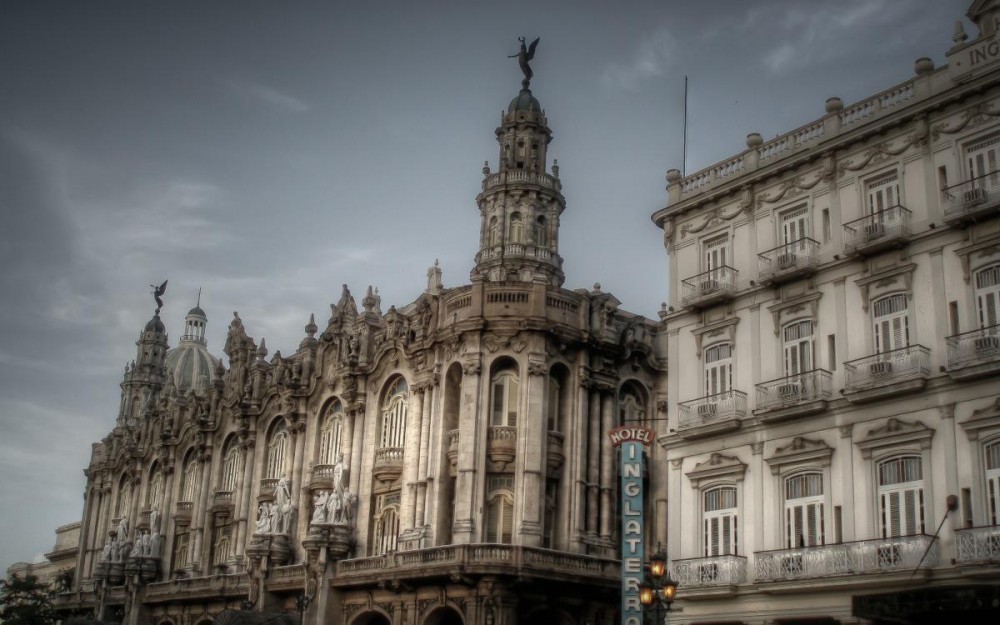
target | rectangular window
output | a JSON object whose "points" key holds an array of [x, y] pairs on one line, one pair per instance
{"points": [[901, 497], [838, 524], [798, 348], [804, 522], [716, 253], [794, 225], [720, 522], [826, 225], [981, 162], [891, 323], [953, 316], [967, 507], [988, 296], [883, 193], [831, 350], [718, 369]]}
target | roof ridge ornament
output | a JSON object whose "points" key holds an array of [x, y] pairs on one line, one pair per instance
{"points": [[525, 54]]}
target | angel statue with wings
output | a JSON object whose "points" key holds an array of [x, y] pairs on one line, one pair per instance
{"points": [[158, 292], [526, 54]]}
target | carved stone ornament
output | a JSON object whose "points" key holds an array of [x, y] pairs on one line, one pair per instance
{"points": [[787, 310], [800, 451], [982, 251], [472, 367], [971, 117], [877, 283], [984, 422], [717, 467], [709, 331], [895, 433]]}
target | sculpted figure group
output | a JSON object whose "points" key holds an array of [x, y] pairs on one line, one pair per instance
{"points": [[276, 518], [147, 543], [336, 507]]}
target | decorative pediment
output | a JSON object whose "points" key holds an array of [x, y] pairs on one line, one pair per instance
{"points": [[800, 451], [892, 279], [794, 306], [979, 253], [896, 433], [711, 331], [984, 421], [717, 467]]}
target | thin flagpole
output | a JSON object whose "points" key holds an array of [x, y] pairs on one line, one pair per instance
{"points": [[684, 145]]}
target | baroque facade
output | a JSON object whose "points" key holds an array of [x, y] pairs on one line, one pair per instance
{"points": [[835, 349], [443, 462]]}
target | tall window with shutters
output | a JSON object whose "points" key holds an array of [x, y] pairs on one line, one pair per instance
{"points": [[882, 193], [794, 225], [499, 509], [890, 318], [982, 161], [189, 479], [331, 433], [504, 397], [798, 347], [992, 453], [720, 519], [805, 525], [154, 496], [988, 296], [386, 523], [124, 507], [901, 496], [278, 445], [232, 466], [718, 368], [716, 253], [393, 430]]}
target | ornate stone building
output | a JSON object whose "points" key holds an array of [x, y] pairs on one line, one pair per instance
{"points": [[835, 350], [444, 462]]}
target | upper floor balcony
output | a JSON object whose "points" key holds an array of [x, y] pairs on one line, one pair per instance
{"points": [[712, 414], [797, 259], [223, 500], [712, 575], [501, 446], [793, 396], [887, 374], [709, 288], [887, 228], [977, 546], [883, 555], [388, 463], [974, 354], [454, 436], [973, 200]]}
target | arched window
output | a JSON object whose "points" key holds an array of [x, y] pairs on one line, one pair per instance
{"points": [[221, 548], [798, 347], [500, 509], [901, 496], [720, 521], [181, 541], [189, 478], [504, 397], [386, 523], [541, 231], [631, 407], [804, 522], [993, 482], [154, 496], [277, 451], [718, 368], [516, 230], [232, 466], [393, 431], [891, 324], [494, 233], [554, 404], [331, 433], [988, 296]]}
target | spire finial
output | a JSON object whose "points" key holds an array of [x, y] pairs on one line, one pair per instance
{"points": [[199, 298]]}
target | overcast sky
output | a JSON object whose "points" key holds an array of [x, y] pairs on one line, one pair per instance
{"points": [[268, 152]]}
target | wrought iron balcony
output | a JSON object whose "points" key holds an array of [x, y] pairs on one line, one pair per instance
{"points": [[974, 354], [710, 572], [709, 288], [901, 553], [873, 233], [794, 395], [975, 199], [797, 259], [712, 414], [978, 545], [887, 374]]}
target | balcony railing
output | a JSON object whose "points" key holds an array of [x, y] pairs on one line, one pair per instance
{"points": [[978, 545], [713, 408], [872, 233], [972, 199], [267, 486], [902, 553], [786, 262], [388, 463], [792, 390], [709, 287], [887, 367], [222, 498], [709, 572], [974, 348]]}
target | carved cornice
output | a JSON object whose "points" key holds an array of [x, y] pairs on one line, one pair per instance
{"points": [[970, 118], [886, 278], [711, 330], [895, 433], [982, 250], [800, 451], [795, 305], [717, 467], [882, 152], [983, 422]]}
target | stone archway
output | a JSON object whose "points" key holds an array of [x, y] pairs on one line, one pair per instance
{"points": [[444, 616], [371, 618]]}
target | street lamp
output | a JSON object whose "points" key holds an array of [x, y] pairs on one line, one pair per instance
{"points": [[301, 603], [657, 590]]}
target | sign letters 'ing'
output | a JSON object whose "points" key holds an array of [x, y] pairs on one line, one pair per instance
{"points": [[631, 441]]}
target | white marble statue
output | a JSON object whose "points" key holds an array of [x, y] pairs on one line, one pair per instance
{"points": [[274, 512], [334, 507], [154, 543], [106, 553], [350, 506], [263, 525], [338, 474], [319, 516]]}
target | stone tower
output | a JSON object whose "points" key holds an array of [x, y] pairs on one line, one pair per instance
{"points": [[521, 203], [144, 377]]}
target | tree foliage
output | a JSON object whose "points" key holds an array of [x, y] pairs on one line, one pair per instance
{"points": [[25, 601]]}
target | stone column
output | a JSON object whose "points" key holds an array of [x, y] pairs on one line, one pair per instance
{"points": [[845, 454], [166, 527], [411, 458], [676, 528], [608, 470], [947, 430], [246, 488], [87, 532], [531, 454], [593, 462], [200, 517], [465, 486], [757, 508], [576, 469], [301, 520], [423, 467]]}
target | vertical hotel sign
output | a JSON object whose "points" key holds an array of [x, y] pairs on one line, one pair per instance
{"points": [[630, 442]]}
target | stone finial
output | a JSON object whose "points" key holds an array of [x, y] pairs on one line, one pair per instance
{"points": [[262, 350], [923, 66], [486, 168], [834, 104], [597, 287], [555, 167], [958, 35], [754, 140], [673, 176], [311, 327], [434, 284]]}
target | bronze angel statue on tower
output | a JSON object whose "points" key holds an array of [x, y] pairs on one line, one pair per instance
{"points": [[158, 292], [526, 54]]}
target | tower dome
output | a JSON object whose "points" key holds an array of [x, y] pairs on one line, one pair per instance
{"points": [[524, 101], [190, 362]]}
